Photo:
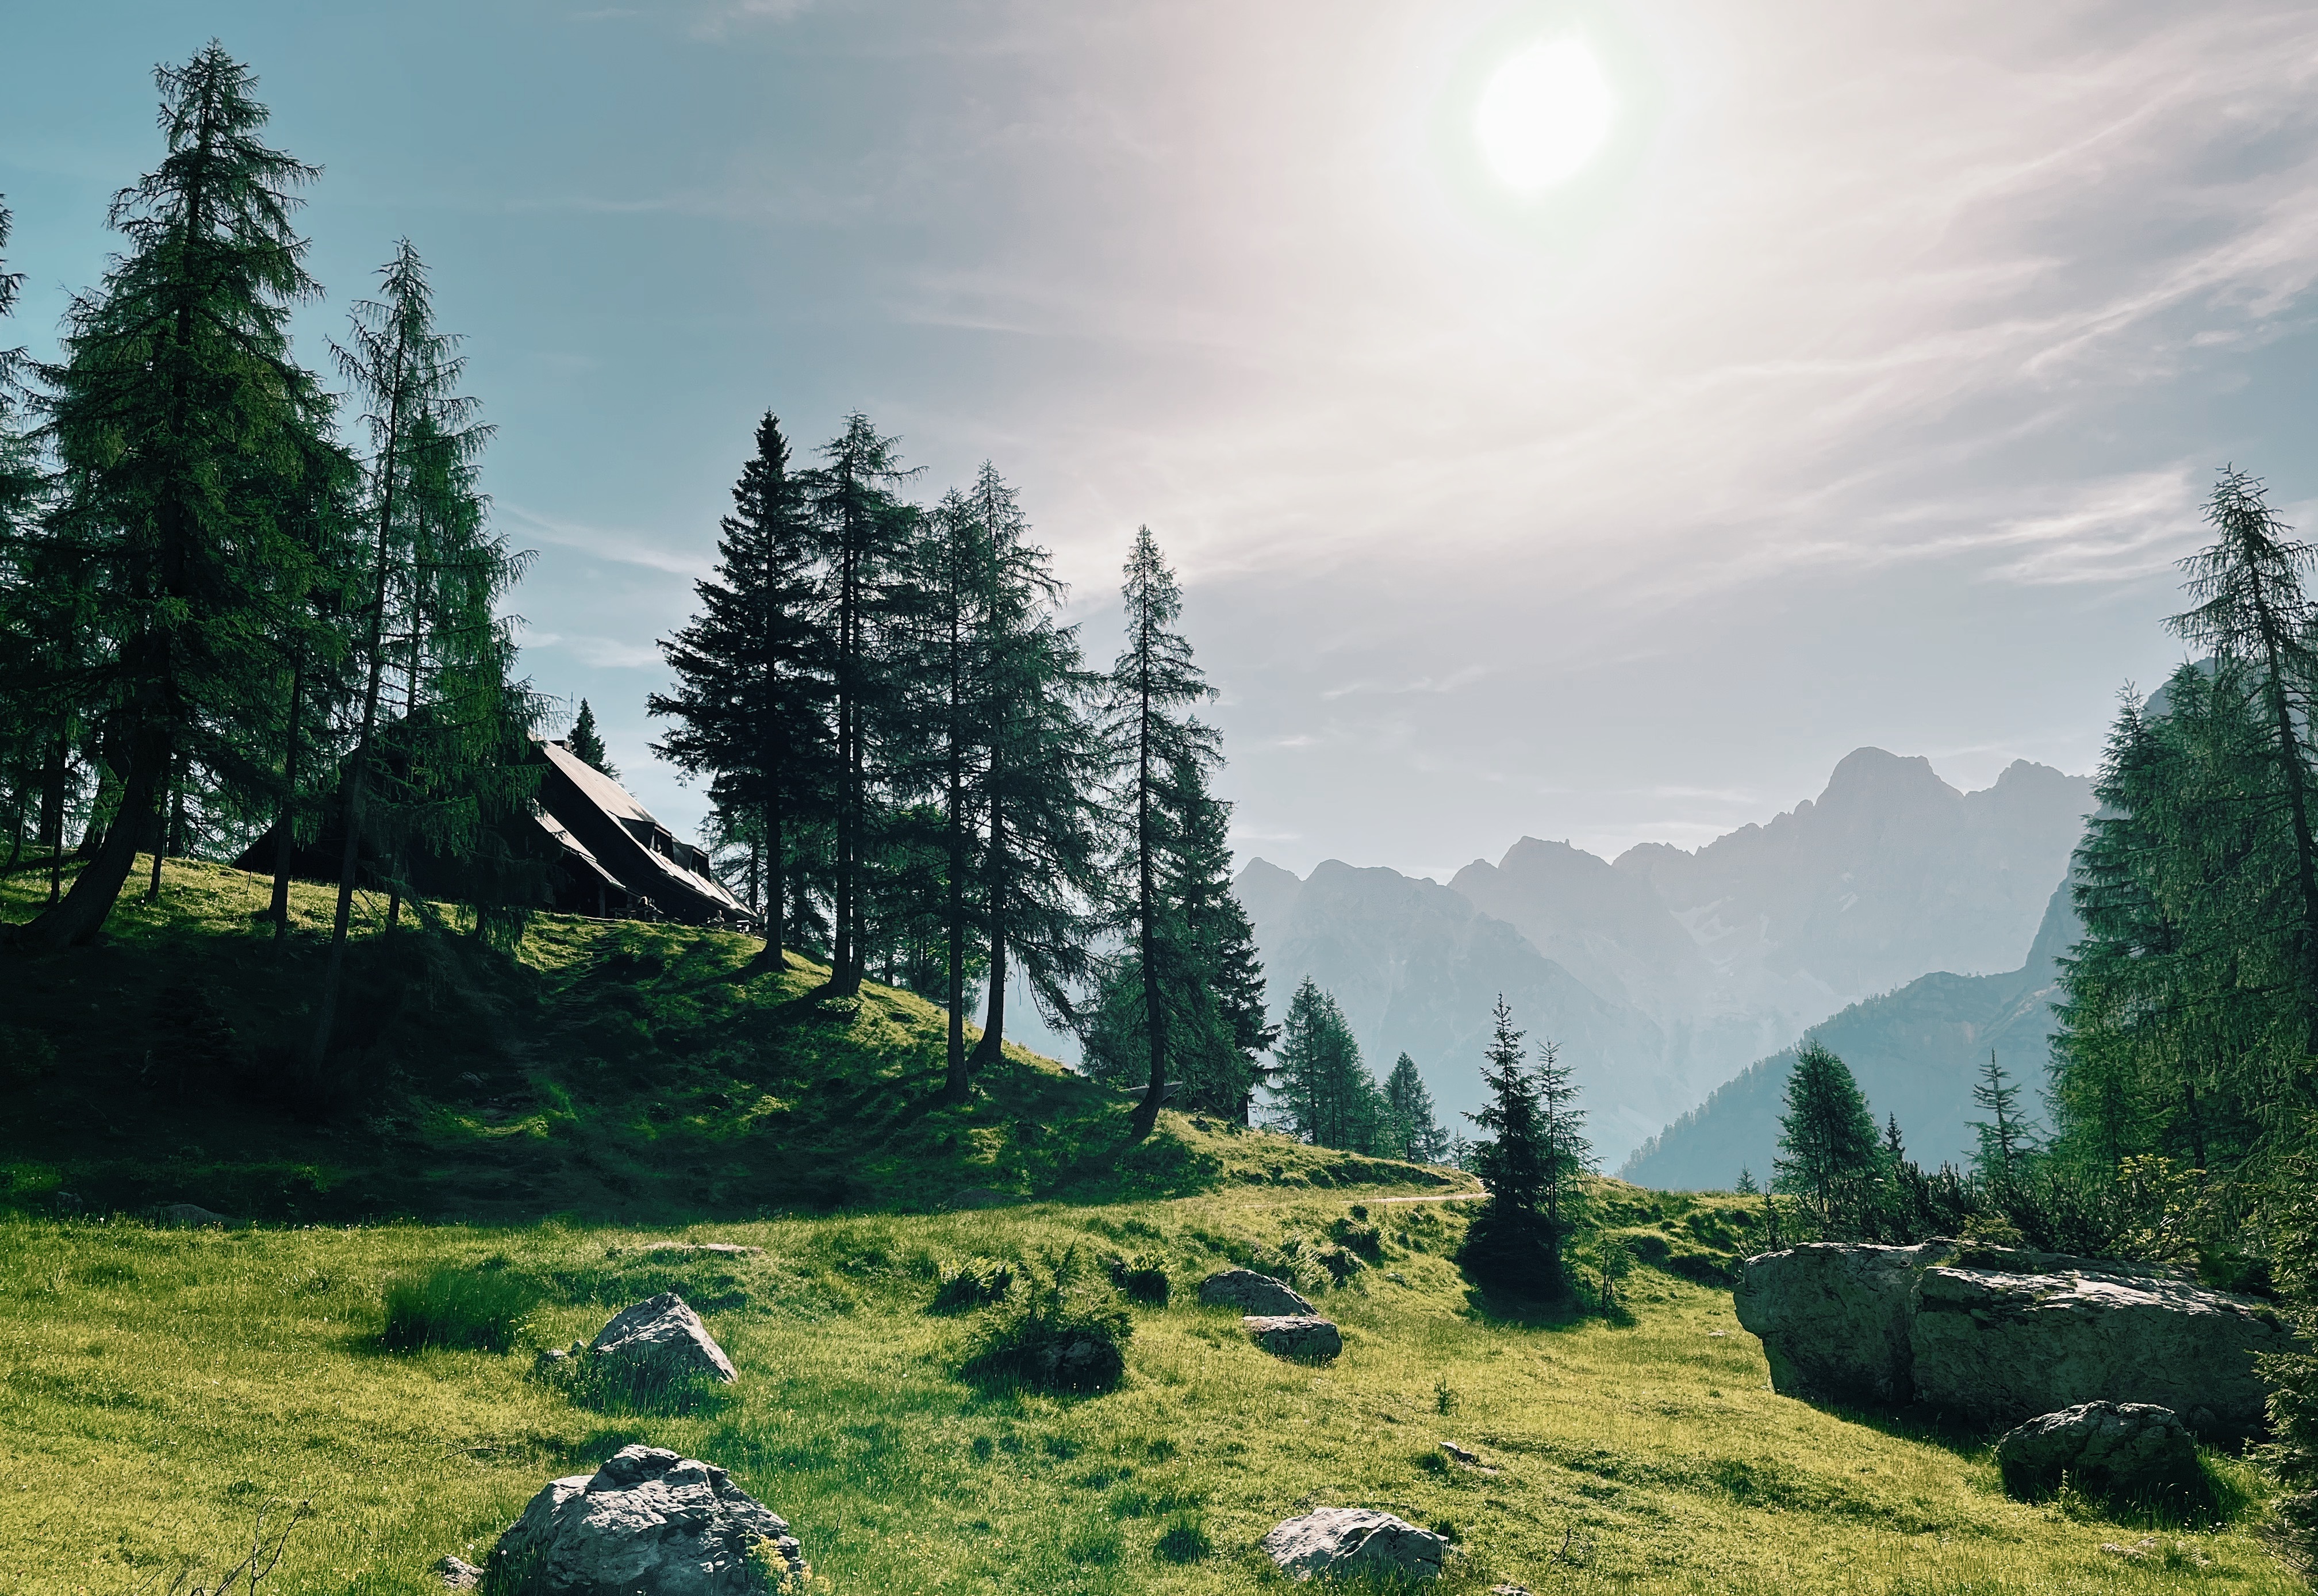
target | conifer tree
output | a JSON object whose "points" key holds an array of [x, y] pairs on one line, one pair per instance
{"points": [[428, 609], [586, 742], [1827, 1142], [1322, 1092], [861, 524], [2251, 611], [1418, 1136], [1153, 738], [2005, 1142], [752, 671], [1533, 1167], [176, 407], [1042, 767]]}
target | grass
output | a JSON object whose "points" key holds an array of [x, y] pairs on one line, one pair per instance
{"points": [[609, 1070], [462, 1309], [160, 1385]]}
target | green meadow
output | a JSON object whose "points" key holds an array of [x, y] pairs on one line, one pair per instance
{"points": [[530, 1126]]}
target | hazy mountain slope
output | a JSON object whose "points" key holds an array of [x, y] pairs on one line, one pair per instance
{"points": [[1892, 873], [1418, 968], [1915, 1052]]}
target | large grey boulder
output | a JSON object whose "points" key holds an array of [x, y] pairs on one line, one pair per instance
{"points": [[648, 1523], [1251, 1292], [1998, 1347], [2120, 1449], [1340, 1541], [1997, 1334], [1834, 1319], [1303, 1336], [662, 1338]]}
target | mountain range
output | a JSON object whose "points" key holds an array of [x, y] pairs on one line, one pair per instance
{"points": [[1666, 972]]}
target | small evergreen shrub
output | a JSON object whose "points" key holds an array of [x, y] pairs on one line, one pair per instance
{"points": [[1140, 1280], [463, 1309], [973, 1283], [1064, 1329]]}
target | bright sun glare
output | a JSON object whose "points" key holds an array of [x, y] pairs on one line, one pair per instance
{"points": [[1543, 115]]}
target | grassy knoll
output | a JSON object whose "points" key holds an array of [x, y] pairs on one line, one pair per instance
{"points": [[605, 1069], [160, 1385]]}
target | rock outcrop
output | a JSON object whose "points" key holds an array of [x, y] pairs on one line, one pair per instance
{"points": [[2127, 1450], [1251, 1292], [1997, 1335], [1302, 1336], [648, 1523], [1347, 1541], [663, 1338]]}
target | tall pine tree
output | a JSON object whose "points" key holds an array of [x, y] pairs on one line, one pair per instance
{"points": [[752, 671], [1828, 1152], [175, 410], [1416, 1135], [1533, 1166]]}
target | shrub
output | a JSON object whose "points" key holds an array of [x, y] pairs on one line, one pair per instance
{"points": [[1367, 1240], [1141, 1280], [459, 1308], [1066, 1330], [1185, 1541], [973, 1283]]}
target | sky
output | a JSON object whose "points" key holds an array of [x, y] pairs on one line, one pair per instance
{"points": [[1860, 388]]}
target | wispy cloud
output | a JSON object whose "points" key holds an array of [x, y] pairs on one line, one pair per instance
{"points": [[620, 546]]}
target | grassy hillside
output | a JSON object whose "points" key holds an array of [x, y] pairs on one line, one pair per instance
{"points": [[159, 1386], [607, 1071]]}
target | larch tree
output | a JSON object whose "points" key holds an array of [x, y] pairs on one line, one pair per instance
{"points": [[173, 412], [1042, 767], [860, 523], [752, 672], [427, 609], [2006, 1140], [1154, 736]]}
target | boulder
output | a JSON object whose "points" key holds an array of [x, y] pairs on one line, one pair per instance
{"points": [[187, 1216], [1251, 1292], [977, 1197], [2128, 1450], [1998, 1347], [457, 1574], [1295, 1335], [648, 1523], [1341, 1540], [1834, 1319], [663, 1336], [1996, 1334]]}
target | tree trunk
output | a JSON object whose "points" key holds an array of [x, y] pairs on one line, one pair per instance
{"points": [[2306, 854], [285, 843], [1154, 1018], [991, 1047], [846, 954]]}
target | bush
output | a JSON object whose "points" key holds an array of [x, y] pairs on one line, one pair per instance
{"points": [[1066, 1330], [1185, 1541], [1141, 1280], [1367, 1240], [464, 1309], [973, 1283]]}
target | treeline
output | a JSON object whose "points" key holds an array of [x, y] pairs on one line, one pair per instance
{"points": [[913, 771], [231, 599], [2182, 1091]]}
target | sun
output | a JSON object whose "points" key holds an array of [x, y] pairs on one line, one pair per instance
{"points": [[1544, 114]]}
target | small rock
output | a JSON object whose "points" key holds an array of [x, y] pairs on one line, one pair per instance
{"points": [[457, 1574], [663, 1334], [2140, 1551], [1396, 1277], [977, 1197], [2129, 1449], [1295, 1335], [1338, 1540], [648, 1523], [1509, 1590], [65, 1204], [1251, 1292], [190, 1215], [1462, 1454]]}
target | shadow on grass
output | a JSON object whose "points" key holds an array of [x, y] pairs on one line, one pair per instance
{"points": [[1499, 1310]]}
